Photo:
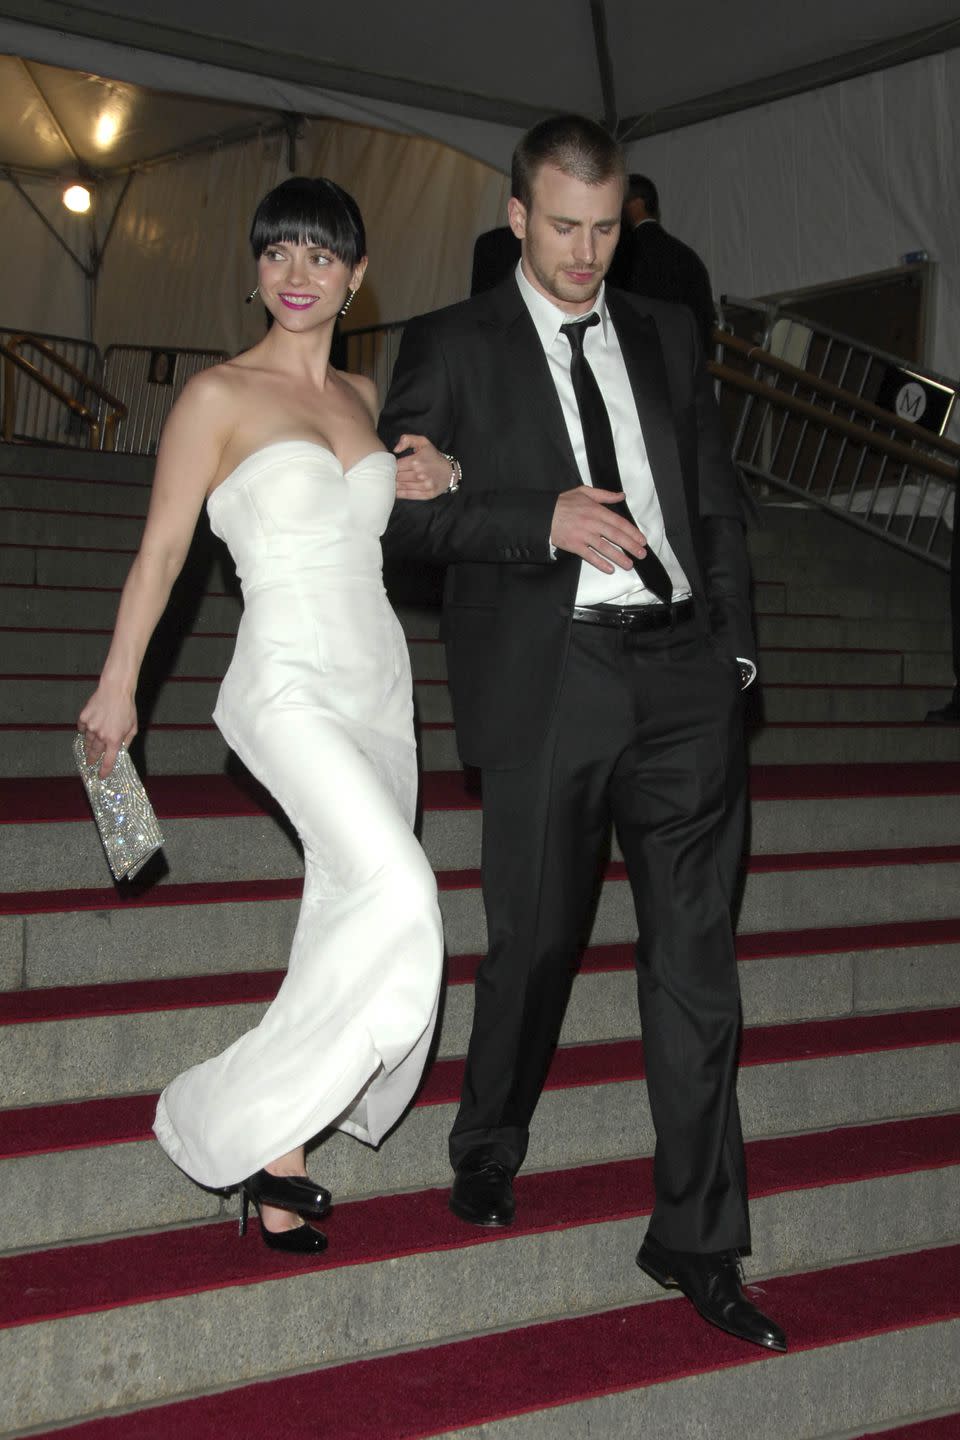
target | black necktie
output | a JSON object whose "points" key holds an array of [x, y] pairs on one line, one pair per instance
{"points": [[601, 451]]}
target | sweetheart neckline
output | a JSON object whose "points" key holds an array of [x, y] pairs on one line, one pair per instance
{"points": [[311, 444]]}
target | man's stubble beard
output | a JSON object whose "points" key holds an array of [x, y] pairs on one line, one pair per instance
{"points": [[556, 285]]}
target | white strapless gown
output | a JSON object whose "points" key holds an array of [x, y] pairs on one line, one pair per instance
{"points": [[318, 705]]}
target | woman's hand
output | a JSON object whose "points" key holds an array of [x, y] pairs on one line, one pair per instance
{"points": [[425, 473], [107, 721]]}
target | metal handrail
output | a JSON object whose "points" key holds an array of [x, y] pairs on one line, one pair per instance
{"points": [[134, 371], [896, 484], [756, 355], [12, 358], [893, 448]]}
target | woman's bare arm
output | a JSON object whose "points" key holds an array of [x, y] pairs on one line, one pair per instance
{"points": [[187, 463]]}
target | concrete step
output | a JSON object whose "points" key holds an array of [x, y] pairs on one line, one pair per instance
{"points": [[426, 1290], [89, 935], [53, 460], [67, 1044], [924, 669], [29, 564], [59, 605], [93, 1168], [831, 546], [82, 652], [36, 621], [57, 494], [216, 828], [199, 749], [57, 653], [806, 665], [916, 601], [45, 607], [847, 704], [94, 532], [854, 633], [839, 743]]}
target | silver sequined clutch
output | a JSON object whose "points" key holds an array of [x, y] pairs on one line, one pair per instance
{"points": [[128, 827]]}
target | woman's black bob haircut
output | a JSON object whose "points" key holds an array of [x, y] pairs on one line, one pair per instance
{"points": [[305, 211]]}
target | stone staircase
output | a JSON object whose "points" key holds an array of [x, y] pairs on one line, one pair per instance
{"points": [[128, 1306]]}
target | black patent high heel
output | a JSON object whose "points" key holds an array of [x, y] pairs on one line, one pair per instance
{"points": [[297, 1193]]}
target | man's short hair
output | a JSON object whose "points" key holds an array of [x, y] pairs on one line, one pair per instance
{"points": [[579, 147], [641, 187]]}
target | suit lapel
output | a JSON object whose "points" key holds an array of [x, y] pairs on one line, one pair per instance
{"points": [[528, 374], [643, 357]]}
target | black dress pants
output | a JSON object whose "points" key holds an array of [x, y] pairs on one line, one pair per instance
{"points": [[647, 733]]}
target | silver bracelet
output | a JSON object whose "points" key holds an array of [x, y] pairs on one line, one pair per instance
{"points": [[456, 474]]}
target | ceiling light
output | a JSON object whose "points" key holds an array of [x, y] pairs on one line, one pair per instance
{"points": [[77, 199], [107, 129]]}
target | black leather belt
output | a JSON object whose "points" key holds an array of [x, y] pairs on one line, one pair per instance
{"points": [[635, 617]]}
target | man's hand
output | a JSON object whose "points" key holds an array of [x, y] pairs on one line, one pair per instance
{"points": [[583, 525], [425, 473]]}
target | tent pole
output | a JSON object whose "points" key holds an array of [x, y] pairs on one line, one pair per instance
{"points": [[598, 18]]}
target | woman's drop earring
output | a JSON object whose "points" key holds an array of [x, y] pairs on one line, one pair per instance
{"points": [[253, 294], [348, 302]]}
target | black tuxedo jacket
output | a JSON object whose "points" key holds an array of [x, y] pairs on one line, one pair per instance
{"points": [[649, 261], [475, 380]]}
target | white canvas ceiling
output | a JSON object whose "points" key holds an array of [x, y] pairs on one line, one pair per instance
{"points": [[52, 120], [474, 76]]}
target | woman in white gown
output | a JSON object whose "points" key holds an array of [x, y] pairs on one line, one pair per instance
{"points": [[317, 703]]}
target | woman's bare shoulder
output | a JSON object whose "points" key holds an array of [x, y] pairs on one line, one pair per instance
{"points": [[365, 388]]}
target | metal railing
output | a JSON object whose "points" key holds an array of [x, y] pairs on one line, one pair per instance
{"points": [[806, 434], [37, 414], [148, 380], [856, 367], [98, 410], [372, 351]]}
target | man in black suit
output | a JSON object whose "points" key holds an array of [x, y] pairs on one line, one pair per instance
{"points": [[495, 256], [650, 261], [596, 659]]}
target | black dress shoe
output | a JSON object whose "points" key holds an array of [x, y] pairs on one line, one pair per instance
{"points": [[712, 1284], [482, 1191]]}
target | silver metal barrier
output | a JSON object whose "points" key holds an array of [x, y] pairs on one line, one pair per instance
{"points": [[372, 351], [148, 382], [857, 368], [853, 453], [38, 415]]}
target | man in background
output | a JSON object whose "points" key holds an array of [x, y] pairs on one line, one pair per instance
{"points": [[495, 256], [650, 261]]}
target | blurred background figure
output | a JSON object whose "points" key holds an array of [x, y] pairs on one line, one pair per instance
{"points": [[650, 261]]}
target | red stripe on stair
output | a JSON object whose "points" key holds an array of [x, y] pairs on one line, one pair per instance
{"points": [[490, 1377], [39, 1129], [70, 549], [110, 481], [943, 1427], [46, 1285], [219, 892], [73, 514], [26, 800]]}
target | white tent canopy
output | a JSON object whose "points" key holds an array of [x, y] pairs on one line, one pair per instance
{"points": [[474, 76], [793, 144]]}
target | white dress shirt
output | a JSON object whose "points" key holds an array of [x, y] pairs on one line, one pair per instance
{"points": [[602, 349]]}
